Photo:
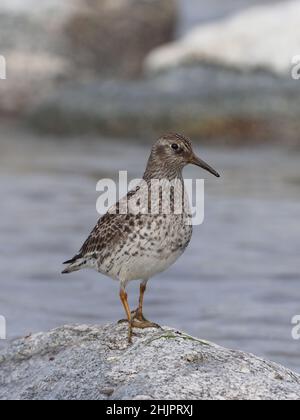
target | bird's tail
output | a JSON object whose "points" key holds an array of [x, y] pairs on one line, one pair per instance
{"points": [[75, 264]]}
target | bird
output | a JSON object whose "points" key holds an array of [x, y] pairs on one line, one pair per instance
{"points": [[151, 234]]}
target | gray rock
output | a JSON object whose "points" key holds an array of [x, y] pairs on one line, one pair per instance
{"points": [[113, 37], [32, 42], [263, 37], [85, 362], [46, 43]]}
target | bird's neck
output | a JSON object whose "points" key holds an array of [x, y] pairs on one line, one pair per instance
{"points": [[161, 170]]}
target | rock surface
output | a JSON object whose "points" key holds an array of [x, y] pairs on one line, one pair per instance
{"points": [[82, 362], [48, 42], [32, 43], [262, 37], [114, 36]]}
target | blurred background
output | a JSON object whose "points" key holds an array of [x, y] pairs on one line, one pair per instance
{"points": [[90, 84]]}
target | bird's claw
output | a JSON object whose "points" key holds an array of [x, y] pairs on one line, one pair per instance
{"points": [[137, 321]]}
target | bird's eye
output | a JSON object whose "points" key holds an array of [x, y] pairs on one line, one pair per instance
{"points": [[175, 146]]}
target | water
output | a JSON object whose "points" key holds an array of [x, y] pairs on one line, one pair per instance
{"points": [[237, 284]]}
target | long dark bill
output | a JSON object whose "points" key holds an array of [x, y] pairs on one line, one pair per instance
{"points": [[199, 162]]}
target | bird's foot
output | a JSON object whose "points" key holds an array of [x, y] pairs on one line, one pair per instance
{"points": [[135, 323], [144, 324], [139, 321]]}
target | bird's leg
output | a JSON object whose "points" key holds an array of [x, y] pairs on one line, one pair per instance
{"points": [[137, 315], [136, 318], [124, 300]]}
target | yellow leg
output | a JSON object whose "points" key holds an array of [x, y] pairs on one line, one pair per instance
{"points": [[124, 300], [143, 287], [137, 316]]}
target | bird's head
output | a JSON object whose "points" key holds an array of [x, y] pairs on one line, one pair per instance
{"points": [[176, 151]]}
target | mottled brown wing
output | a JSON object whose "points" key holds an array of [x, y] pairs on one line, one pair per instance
{"points": [[111, 231]]}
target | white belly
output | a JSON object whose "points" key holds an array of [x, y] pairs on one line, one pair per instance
{"points": [[147, 266]]}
